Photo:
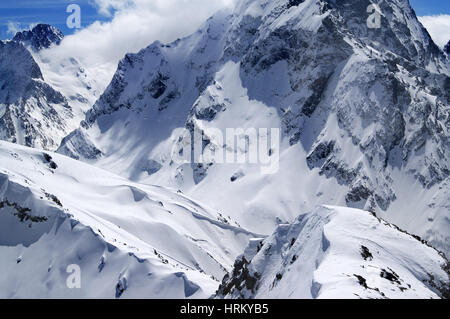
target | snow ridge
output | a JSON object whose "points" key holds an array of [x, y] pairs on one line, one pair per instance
{"points": [[335, 252], [362, 111], [129, 240]]}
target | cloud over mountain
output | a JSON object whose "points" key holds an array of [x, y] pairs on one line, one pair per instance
{"points": [[135, 24], [438, 26]]}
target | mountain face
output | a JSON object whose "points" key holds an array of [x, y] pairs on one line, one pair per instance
{"points": [[363, 114], [132, 240], [42, 36], [336, 253], [63, 72], [447, 48], [362, 110], [40, 101], [363, 119], [32, 113], [129, 240]]}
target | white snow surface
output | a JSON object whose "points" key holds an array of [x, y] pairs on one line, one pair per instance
{"points": [[336, 252], [148, 241], [375, 100]]}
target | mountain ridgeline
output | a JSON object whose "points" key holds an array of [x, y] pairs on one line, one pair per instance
{"points": [[40, 104], [363, 110], [358, 205]]}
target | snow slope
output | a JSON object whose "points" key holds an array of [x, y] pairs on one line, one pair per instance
{"points": [[129, 239], [363, 113], [41, 36], [81, 86], [335, 252]]}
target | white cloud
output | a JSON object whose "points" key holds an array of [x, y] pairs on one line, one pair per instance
{"points": [[438, 27], [135, 25], [13, 27], [107, 7]]}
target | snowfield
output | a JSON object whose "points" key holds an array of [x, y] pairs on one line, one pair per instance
{"points": [[132, 240], [363, 122], [129, 239], [335, 252]]}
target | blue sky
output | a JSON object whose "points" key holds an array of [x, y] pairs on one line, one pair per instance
{"points": [[430, 7], [23, 13]]}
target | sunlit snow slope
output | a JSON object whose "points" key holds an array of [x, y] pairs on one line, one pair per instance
{"points": [[129, 239], [43, 94], [336, 252], [363, 114]]}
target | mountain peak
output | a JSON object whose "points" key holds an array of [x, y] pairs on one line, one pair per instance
{"points": [[42, 36], [23, 95], [447, 48]]}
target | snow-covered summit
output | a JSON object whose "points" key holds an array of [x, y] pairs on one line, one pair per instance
{"points": [[336, 252], [42, 36], [32, 112], [41, 101], [363, 117]]}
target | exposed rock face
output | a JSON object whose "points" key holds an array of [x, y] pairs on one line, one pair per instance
{"points": [[32, 113], [44, 95], [42, 36], [364, 111], [447, 48]]}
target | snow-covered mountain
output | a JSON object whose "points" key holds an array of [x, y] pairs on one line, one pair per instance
{"points": [[132, 240], [42, 36], [32, 112], [363, 114], [41, 101], [68, 75], [80, 86], [128, 239], [336, 252]]}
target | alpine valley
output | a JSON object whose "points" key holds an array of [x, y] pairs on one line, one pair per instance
{"points": [[358, 207]]}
